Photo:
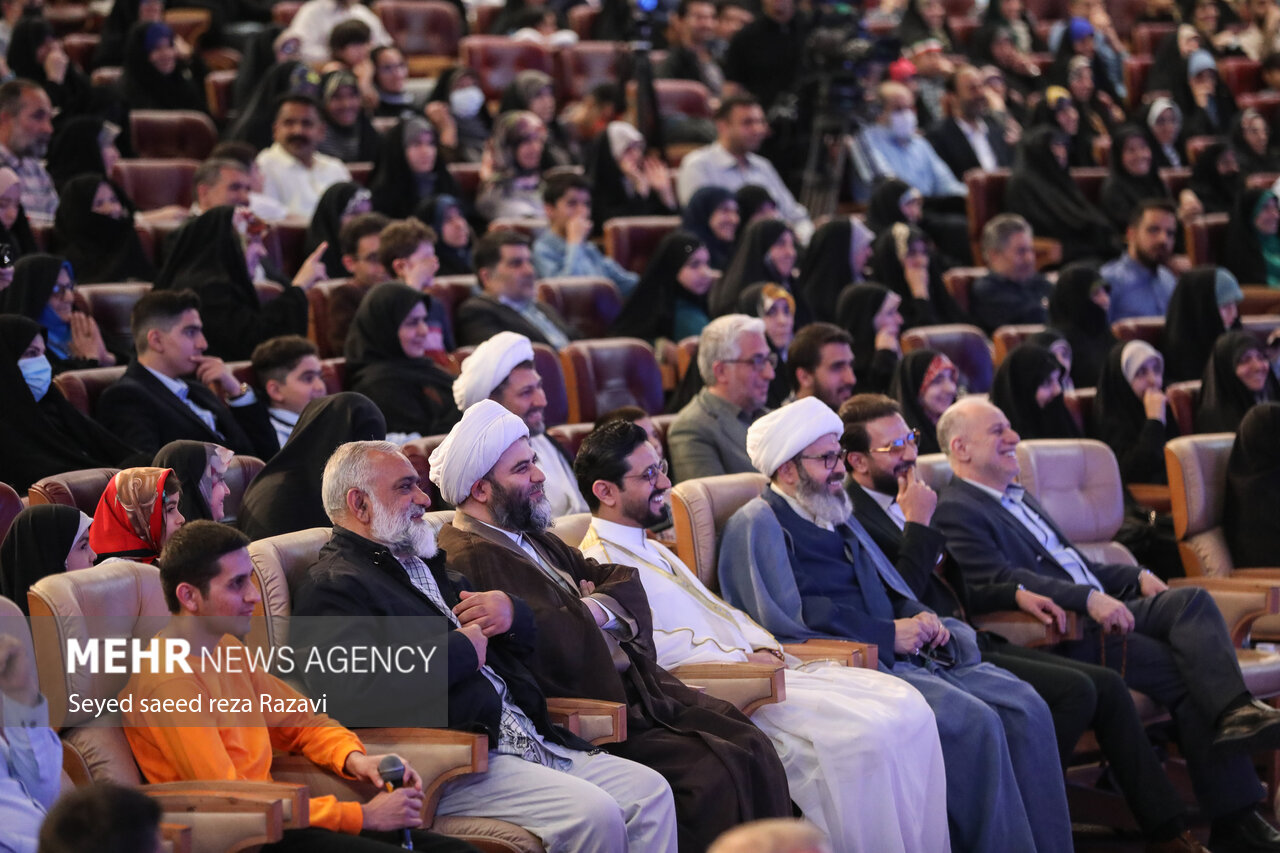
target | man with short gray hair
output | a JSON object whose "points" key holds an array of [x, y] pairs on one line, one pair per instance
{"points": [[26, 126], [1013, 291], [709, 436]]}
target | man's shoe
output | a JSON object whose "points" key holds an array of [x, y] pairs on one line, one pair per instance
{"points": [[1249, 727], [1184, 843], [1248, 834]]}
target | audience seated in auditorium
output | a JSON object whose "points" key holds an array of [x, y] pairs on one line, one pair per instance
{"points": [[43, 289], [390, 74], [222, 180], [765, 56], [115, 29], [201, 469], [1131, 413], [447, 217], [82, 144], [406, 250], [535, 91], [410, 169], [690, 54], [564, 248], [338, 205], [925, 383], [294, 172], [1251, 140], [1252, 250], [512, 187], [819, 364], [136, 515], [288, 375], [1216, 179], [1012, 292], [35, 54], [1027, 387], [1042, 191], [26, 116], [892, 148], [155, 77], [836, 258], [1237, 378], [626, 180], [1140, 279], [1163, 120], [348, 133], [904, 259], [94, 230], [504, 265], [359, 241], [43, 540], [711, 215], [869, 313], [316, 19], [255, 124], [767, 252], [1134, 179], [457, 108], [670, 300], [1205, 99], [777, 308], [1205, 303], [969, 137], [1253, 473], [1078, 310]]}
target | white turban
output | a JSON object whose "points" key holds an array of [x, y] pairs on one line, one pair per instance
{"points": [[783, 433], [487, 367], [473, 447]]}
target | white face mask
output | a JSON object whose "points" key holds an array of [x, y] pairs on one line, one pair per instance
{"points": [[902, 124], [38, 373], [466, 102]]}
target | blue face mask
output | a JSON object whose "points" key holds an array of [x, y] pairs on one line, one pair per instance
{"points": [[38, 373]]}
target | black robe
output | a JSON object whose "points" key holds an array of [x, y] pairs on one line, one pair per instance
{"points": [[1192, 323], [856, 310], [1217, 193], [397, 190], [100, 248], [35, 547], [326, 225], [826, 269], [145, 88], [1253, 490], [1123, 191], [750, 265], [908, 376], [650, 312], [696, 220], [1120, 419], [610, 195], [1224, 399], [1081, 321], [939, 307], [1013, 391], [188, 460]]}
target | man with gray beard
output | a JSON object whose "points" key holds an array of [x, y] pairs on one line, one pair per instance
{"points": [[802, 566]]}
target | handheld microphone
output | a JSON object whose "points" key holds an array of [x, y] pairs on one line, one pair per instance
{"points": [[391, 769]]}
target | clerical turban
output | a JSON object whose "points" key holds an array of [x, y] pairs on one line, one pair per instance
{"points": [[473, 447], [487, 367], [783, 433]]}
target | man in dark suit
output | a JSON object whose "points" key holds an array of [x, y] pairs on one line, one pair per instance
{"points": [[968, 138], [154, 403], [504, 265], [1170, 644], [891, 503]]}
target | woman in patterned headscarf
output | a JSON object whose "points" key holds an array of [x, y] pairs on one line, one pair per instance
{"points": [[137, 514]]}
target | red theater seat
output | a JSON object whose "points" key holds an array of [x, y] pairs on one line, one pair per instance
{"points": [[1149, 329], [965, 345], [1184, 399], [111, 306], [154, 183], [589, 304], [172, 133], [631, 240], [80, 489], [82, 388], [426, 31], [604, 374], [10, 506], [582, 66], [497, 60]]}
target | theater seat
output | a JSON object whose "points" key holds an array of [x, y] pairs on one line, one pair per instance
{"points": [[106, 77], [581, 67], [153, 183], [1089, 179], [965, 345], [427, 32], [570, 437], [582, 18], [1241, 74], [1259, 299], [1146, 36], [452, 291], [700, 509], [959, 281], [82, 388], [217, 93], [282, 12], [419, 453], [318, 302], [1176, 178], [604, 374], [497, 60], [1007, 338], [1261, 326], [1267, 103], [1136, 71], [467, 176], [80, 47], [285, 243], [685, 97], [547, 362], [590, 304], [172, 133], [1196, 146], [111, 306], [10, 506], [631, 240], [1149, 329], [1184, 399], [1205, 236], [529, 226], [80, 489]]}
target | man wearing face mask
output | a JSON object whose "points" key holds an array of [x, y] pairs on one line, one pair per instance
{"points": [[968, 138], [891, 148]]}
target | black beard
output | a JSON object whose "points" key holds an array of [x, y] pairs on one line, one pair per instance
{"points": [[514, 511]]}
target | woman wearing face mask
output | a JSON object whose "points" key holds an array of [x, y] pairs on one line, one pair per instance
{"points": [[1078, 309], [836, 258], [43, 290], [1216, 179], [712, 216], [513, 186], [1028, 388], [1205, 303], [44, 434], [903, 260], [1253, 490], [1237, 378], [1131, 413], [387, 361], [1251, 142], [534, 91], [624, 180], [201, 469], [213, 255], [447, 217], [457, 109], [348, 133], [136, 515], [1252, 245], [15, 230], [670, 300], [925, 384], [869, 313], [43, 540], [94, 228], [766, 252], [155, 77], [410, 170], [339, 204]]}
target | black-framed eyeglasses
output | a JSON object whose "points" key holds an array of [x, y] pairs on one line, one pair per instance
{"points": [[757, 362], [828, 460], [912, 438], [652, 473]]}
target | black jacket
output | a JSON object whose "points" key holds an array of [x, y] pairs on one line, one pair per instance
{"points": [[356, 577], [953, 146], [481, 317]]}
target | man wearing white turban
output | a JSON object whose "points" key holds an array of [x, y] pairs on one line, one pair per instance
{"points": [[502, 369], [860, 747], [594, 636], [797, 560]]}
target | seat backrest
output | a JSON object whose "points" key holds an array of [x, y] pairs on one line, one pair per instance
{"points": [[279, 564], [318, 301], [421, 27], [631, 240], [452, 291], [1197, 484], [601, 375], [239, 476], [1079, 402], [590, 304], [80, 48], [467, 176], [10, 506], [700, 509], [1175, 178], [1007, 338], [1147, 36], [1241, 74], [1149, 329], [934, 470], [497, 60], [1089, 179], [1136, 71], [1259, 299], [285, 242], [80, 489], [1077, 481], [82, 388], [581, 67], [111, 306], [984, 200], [172, 133], [218, 87], [582, 18], [334, 371], [1196, 145], [1267, 103], [1260, 326], [680, 97], [571, 528], [1184, 399], [153, 183], [1205, 234], [419, 453], [965, 345], [959, 281]]}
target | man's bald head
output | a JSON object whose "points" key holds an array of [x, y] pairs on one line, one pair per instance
{"points": [[955, 420], [979, 442]]}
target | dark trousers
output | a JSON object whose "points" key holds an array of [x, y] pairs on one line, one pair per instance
{"points": [[316, 840], [1180, 655]]}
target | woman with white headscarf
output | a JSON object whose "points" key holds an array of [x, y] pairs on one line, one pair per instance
{"points": [[625, 181]]}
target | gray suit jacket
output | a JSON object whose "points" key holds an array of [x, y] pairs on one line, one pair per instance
{"points": [[709, 437]]}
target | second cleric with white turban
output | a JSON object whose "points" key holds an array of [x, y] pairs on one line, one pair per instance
{"points": [[502, 369], [798, 561]]}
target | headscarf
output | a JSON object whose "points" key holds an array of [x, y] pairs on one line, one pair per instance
{"points": [[1192, 324], [1250, 161], [886, 260], [519, 95], [73, 95], [357, 143], [856, 310], [1217, 193], [259, 114], [778, 437], [326, 225], [508, 130], [76, 149], [1082, 322], [144, 87], [884, 208], [1044, 194], [1160, 157], [414, 394], [909, 381], [1224, 399], [189, 461], [1013, 390], [453, 261], [827, 266], [750, 265], [285, 496], [34, 278], [19, 237], [650, 310], [1252, 256], [116, 26], [129, 520], [612, 194], [750, 199], [36, 546], [1120, 418], [473, 447], [916, 35], [1123, 191], [100, 248], [46, 437], [397, 189], [697, 218], [473, 131], [1253, 489]]}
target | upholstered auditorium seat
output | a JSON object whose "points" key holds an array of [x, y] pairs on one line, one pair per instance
{"points": [[631, 240], [1089, 179], [218, 87], [427, 32], [1136, 71], [1079, 402], [156, 182], [581, 67], [82, 388], [172, 133], [1184, 399], [10, 506], [1196, 146], [604, 374], [1007, 338], [547, 363], [1241, 74], [80, 489], [111, 305], [965, 345], [590, 304], [1205, 236], [467, 176], [419, 453], [1147, 36], [497, 60], [1149, 329]]}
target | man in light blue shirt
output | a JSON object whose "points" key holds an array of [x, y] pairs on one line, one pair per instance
{"points": [[563, 248], [1141, 282], [30, 753], [892, 148]]}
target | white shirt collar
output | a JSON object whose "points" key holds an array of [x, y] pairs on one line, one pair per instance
{"points": [[995, 493], [629, 537], [177, 386], [284, 416]]}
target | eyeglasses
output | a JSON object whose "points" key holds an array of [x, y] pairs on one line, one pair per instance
{"points": [[652, 473], [828, 460], [757, 362], [69, 287], [912, 438]]}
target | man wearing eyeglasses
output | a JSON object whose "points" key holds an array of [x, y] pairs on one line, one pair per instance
{"points": [[709, 436], [803, 566], [860, 747], [896, 507]]}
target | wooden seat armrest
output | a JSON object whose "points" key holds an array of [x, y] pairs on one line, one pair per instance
{"points": [[1152, 496], [745, 685], [847, 652], [221, 821], [177, 838], [294, 798], [1242, 599], [594, 720], [1023, 629]]}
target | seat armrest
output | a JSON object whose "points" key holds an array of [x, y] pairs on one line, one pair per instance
{"points": [[845, 652], [1023, 629], [220, 821], [177, 838], [1152, 496], [1242, 599], [594, 720], [294, 798], [747, 686]]}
